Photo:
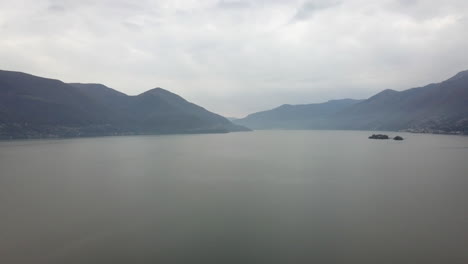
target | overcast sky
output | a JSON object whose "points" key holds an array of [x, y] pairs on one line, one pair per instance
{"points": [[237, 57]]}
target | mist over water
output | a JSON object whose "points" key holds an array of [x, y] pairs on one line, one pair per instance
{"points": [[257, 197]]}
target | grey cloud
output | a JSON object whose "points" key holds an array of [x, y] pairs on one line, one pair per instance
{"points": [[57, 8], [428, 9], [309, 8], [233, 4]]}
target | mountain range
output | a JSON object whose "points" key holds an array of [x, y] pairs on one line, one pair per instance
{"points": [[435, 108], [36, 107]]}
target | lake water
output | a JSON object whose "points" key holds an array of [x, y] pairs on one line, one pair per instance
{"points": [[255, 197]]}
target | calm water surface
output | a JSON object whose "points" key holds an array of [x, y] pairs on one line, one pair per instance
{"points": [[259, 197]]}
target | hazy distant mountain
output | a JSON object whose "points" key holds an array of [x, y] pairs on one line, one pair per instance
{"points": [[440, 107], [32, 106], [27, 100], [306, 116], [158, 110]]}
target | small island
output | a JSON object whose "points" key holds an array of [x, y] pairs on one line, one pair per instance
{"points": [[378, 136], [382, 136]]}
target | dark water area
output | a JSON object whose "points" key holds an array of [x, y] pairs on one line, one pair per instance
{"points": [[257, 197]]}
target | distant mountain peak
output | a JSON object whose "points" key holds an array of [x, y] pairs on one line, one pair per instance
{"points": [[384, 93], [159, 91], [388, 91], [283, 106], [164, 94], [460, 75]]}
